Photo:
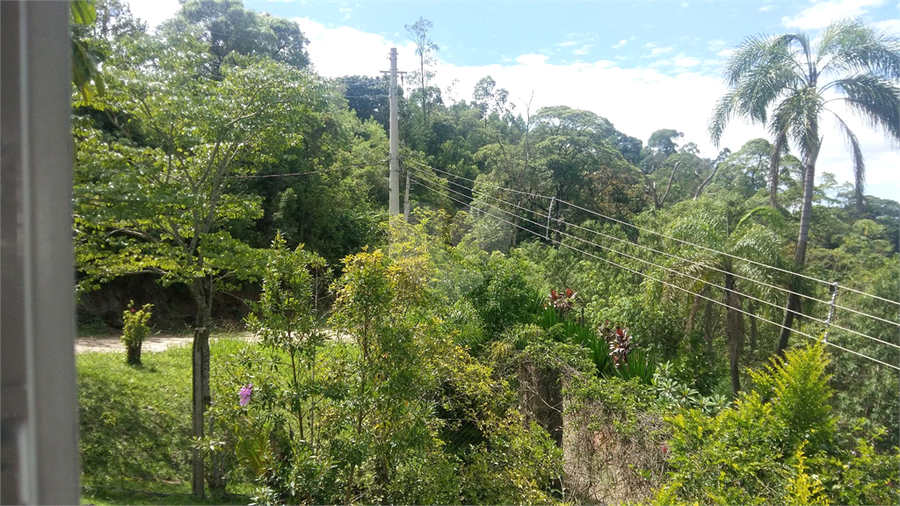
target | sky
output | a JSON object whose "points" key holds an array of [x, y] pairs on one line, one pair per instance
{"points": [[644, 65]]}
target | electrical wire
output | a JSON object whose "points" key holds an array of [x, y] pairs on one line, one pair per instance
{"points": [[752, 315], [763, 283], [776, 306], [829, 283], [473, 181]]}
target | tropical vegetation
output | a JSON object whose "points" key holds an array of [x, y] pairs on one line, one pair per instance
{"points": [[567, 315]]}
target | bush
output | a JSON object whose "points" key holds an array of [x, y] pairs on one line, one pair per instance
{"points": [[778, 445], [135, 330], [505, 297]]}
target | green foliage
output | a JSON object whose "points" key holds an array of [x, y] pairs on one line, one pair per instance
{"points": [[512, 466], [135, 330], [504, 297], [798, 389], [775, 445], [640, 365], [672, 393], [803, 489]]}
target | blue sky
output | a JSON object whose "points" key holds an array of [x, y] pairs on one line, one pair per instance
{"points": [[644, 65]]}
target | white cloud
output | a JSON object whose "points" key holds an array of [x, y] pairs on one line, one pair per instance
{"points": [[154, 12], [583, 50], [685, 5], [765, 8], [685, 61], [821, 14], [660, 50], [891, 26], [715, 44], [343, 50], [620, 44], [567, 43], [726, 53]]}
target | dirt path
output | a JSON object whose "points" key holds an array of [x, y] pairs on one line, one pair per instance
{"points": [[157, 342]]}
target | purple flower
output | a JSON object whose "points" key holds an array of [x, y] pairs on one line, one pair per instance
{"points": [[245, 393]]}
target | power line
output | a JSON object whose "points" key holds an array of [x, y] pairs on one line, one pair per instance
{"points": [[776, 306], [473, 181], [292, 174], [829, 283], [752, 315], [763, 283]]}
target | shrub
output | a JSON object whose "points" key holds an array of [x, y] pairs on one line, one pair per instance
{"points": [[135, 330], [778, 444]]}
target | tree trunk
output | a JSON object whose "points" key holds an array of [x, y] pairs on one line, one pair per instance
{"points": [[134, 353], [793, 306], [734, 327], [709, 331], [201, 290], [774, 163], [754, 332]]}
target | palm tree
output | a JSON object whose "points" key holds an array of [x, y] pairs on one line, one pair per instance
{"points": [[798, 84], [714, 227]]}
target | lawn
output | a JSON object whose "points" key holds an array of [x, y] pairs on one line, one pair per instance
{"points": [[135, 424]]}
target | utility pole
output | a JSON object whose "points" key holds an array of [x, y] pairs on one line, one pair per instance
{"points": [[394, 202]]}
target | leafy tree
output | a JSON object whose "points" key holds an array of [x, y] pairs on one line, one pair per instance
{"points": [[226, 27], [368, 98], [87, 57], [491, 99], [663, 141], [153, 196], [785, 74]]}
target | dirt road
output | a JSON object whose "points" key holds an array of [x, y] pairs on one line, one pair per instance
{"points": [[158, 342]]}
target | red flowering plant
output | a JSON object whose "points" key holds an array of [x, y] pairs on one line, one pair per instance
{"points": [[619, 341], [563, 301]]}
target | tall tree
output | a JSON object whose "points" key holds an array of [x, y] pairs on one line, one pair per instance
{"points": [[793, 79], [227, 28], [425, 49], [153, 179], [663, 141], [707, 223], [490, 99]]}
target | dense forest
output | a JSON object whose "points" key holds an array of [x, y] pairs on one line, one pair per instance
{"points": [[567, 313]]}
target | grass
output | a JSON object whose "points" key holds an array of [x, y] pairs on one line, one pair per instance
{"points": [[135, 427], [161, 496]]}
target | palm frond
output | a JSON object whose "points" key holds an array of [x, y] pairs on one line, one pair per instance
{"points": [[749, 54], [848, 45], [859, 164], [875, 99], [762, 86], [721, 115], [772, 217], [798, 116], [798, 56]]}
